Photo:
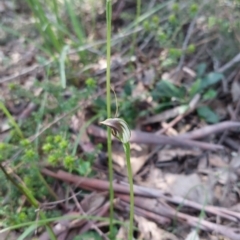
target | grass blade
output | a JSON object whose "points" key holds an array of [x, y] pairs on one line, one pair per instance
{"points": [[77, 27], [62, 65], [11, 119], [27, 232]]}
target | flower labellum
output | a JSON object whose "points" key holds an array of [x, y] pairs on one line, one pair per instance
{"points": [[119, 128]]}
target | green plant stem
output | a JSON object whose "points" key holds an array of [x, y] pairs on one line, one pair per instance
{"points": [[108, 99], [130, 180]]}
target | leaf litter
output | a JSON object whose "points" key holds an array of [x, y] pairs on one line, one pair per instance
{"points": [[186, 169]]}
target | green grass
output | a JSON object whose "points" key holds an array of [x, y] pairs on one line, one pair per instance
{"points": [[41, 222], [52, 39], [31, 199], [47, 147]]}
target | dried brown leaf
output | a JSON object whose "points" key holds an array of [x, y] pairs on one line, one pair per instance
{"points": [[150, 231], [147, 76], [187, 186], [169, 154], [139, 154]]}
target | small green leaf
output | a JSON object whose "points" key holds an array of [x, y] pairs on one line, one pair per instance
{"points": [[211, 79], [210, 94], [191, 48], [175, 7], [201, 69], [84, 167], [195, 88], [119, 127], [193, 8], [91, 83], [175, 52], [99, 103], [167, 89], [168, 62], [208, 114], [212, 21], [128, 88], [172, 19]]}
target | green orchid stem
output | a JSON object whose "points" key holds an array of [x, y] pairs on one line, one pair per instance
{"points": [[108, 99], [130, 180], [121, 131]]}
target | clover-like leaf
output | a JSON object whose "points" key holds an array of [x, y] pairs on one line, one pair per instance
{"points": [[119, 128]]}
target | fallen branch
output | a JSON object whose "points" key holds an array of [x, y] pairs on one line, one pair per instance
{"points": [[151, 138], [212, 129], [102, 185], [186, 139], [160, 207]]}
